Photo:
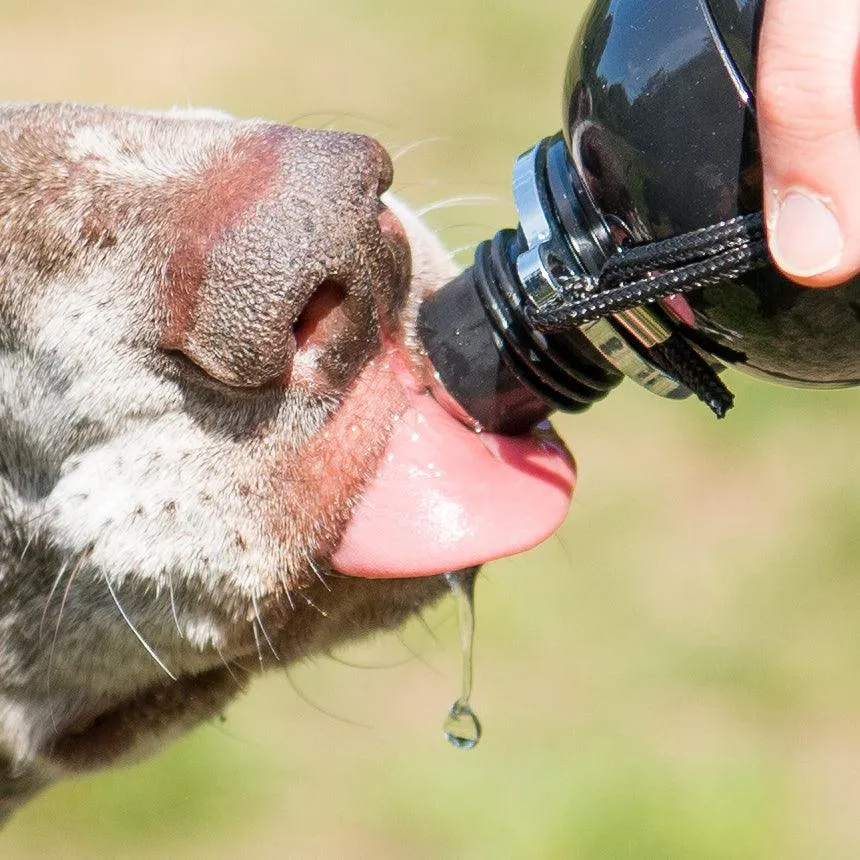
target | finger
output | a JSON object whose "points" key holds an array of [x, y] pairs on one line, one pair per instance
{"points": [[808, 97]]}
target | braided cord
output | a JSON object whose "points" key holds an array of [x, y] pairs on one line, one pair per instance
{"points": [[693, 276], [644, 274]]}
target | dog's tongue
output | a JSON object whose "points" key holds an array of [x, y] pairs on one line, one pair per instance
{"points": [[446, 497]]}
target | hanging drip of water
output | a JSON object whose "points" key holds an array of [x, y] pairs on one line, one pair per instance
{"points": [[462, 727]]}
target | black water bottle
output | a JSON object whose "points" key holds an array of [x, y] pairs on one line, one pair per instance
{"points": [[639, 250]]}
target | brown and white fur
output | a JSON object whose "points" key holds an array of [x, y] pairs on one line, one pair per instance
{"points": [[192, 313]]}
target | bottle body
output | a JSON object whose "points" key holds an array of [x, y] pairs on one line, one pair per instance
{"points": [[659, 119]]}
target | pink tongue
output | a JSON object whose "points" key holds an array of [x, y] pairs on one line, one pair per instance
{"points": [[446, 497]]}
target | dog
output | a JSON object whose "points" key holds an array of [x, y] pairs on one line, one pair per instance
{"points": [[218, 452]]}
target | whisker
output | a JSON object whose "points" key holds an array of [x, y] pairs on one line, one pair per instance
{"points": [[263, 627], [411, 147], [311, 114], [335, 115], [317, 707], [50, 597], [402, 187], [351, 665], [467, 185], [78, 563], [318, 574], [287, 593], [461, 225], [40, 515], [461, 248], [419, 617], [415, 655], [257, 641], [173, 604], [312, 604], [146, 645], [465, 200], [49, 674], [229, 669]]}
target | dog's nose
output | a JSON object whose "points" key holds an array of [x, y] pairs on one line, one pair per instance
{"points": [[286, 260]]}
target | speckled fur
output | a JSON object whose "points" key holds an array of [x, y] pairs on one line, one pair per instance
{"points": [[172, 478]]}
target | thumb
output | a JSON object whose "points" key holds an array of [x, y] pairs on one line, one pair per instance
{"points": [[808, 98]]}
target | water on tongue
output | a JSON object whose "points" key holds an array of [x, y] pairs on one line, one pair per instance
{"points": [[446, 497]]}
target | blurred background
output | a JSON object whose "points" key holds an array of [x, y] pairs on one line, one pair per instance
{"points": [[675, 674]]}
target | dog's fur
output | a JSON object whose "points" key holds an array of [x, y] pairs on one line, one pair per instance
{"points": [[193, 310]]}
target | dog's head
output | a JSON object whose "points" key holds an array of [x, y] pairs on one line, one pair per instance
{"points": [[217, 452]]}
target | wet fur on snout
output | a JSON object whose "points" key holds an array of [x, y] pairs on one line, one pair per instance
{"points": [[175, 455]]}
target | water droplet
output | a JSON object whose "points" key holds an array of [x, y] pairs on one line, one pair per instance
{"points": [[462, 727], [415, 437]]}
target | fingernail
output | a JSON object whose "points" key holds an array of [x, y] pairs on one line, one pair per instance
{"points": [[805, 236]]}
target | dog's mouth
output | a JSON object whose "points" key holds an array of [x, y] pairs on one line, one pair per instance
{"points": [[445, 496]]}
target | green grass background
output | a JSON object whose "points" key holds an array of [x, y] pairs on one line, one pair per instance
{"points": [[675, 674]]}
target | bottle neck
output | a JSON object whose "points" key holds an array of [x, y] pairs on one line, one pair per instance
{"points": [[478, 331], [487, 356]]}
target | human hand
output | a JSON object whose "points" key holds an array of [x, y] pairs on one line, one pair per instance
{"points": [[808, 95]]}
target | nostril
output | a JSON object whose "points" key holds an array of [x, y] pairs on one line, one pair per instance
{"points": [[322, 316]]}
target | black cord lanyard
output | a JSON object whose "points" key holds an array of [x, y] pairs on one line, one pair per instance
{"points": [[642, 274]]}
